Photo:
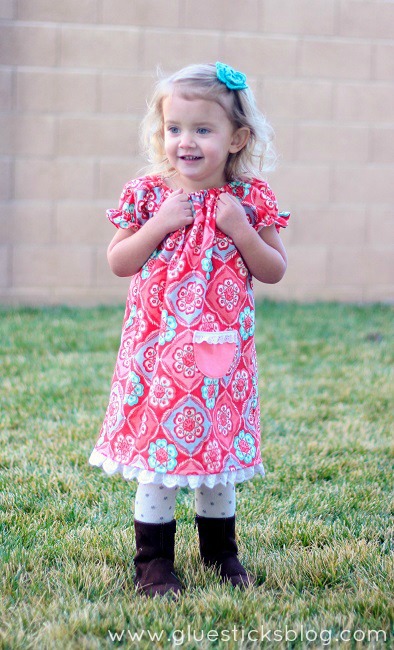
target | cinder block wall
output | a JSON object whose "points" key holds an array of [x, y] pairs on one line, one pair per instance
{"points": [[74, 77]]}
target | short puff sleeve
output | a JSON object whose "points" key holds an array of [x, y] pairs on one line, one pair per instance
{"points": [[263, 207], [132, 211]]}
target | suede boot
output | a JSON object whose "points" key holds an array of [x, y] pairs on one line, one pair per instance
{"points": [[218, 548], [154, 561]]}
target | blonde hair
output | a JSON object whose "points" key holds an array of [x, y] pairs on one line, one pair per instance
{"points": [[201, 82]]}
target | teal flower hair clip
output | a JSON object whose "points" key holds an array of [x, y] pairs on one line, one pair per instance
{"points": [[233, 79]]}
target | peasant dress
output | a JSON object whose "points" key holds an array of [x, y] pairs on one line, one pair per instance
{"points": [[184, 405]]}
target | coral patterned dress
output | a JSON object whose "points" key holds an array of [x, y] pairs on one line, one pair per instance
{"points": [[184, 406]]}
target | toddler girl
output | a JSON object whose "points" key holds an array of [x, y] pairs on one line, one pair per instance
{"points": [[184, 407]]}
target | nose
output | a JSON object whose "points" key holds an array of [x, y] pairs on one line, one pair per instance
{"points": [[186, 141]]}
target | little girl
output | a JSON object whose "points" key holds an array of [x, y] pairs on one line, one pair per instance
{"points": [[184, 406]]}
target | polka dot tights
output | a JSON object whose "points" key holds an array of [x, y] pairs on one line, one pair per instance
{"points": [[155, 504]]}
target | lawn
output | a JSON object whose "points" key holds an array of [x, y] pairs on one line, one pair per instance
{"points": [[317, 531]]}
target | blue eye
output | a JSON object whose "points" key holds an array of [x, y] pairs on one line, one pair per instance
{"points": [[202, 131], [173, 129]]}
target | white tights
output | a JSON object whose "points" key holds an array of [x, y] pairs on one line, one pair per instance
{"points": [[155, 504]]}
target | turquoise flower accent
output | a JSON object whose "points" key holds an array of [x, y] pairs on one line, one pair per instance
{"points": [[207, 263], [241, 189], [128, 207], [133, 312], [122, 221], [170, 325], [145, 272], [233, 79], [245, 449], [137, 389], [210, 391], [246, 318], [162, 456]]}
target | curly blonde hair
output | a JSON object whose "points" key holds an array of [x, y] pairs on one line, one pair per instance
{"points": [[201, 82]]}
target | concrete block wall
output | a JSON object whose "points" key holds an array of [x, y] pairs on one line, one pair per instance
{"points": [[74, 77]]}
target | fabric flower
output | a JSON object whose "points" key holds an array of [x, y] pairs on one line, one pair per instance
{"points": [[246, 318], [112, 417], [212, 456], [208, 323], [184, 360], [240, 189], [126, 352], [176, 265], [136, 321], [157, 294], [134, 389], [190, 297], [222, 241], [245, 449], [240, 385], [241, 268], [162, 456], [124, 217], [123, 448], [161, 392], [133, 312], [233, 79], [207, 263], [189, 424], [210, 391], [229, 294], [223, 418], [149, 265], [170, 327], [149, 359], [196, 237]]}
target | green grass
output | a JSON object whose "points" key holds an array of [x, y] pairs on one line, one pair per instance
{"points": [[316, 531]]}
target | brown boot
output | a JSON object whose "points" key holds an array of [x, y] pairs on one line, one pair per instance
{"points": [[218, 548], [154, 561]]}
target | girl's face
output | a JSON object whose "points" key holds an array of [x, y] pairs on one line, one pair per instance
{"points": [[198, 138]]}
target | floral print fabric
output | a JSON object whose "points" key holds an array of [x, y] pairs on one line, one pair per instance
{"points": [[165, 417]]}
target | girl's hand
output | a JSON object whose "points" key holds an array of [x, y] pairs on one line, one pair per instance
{"points": [[175, 212], [230, 215]]}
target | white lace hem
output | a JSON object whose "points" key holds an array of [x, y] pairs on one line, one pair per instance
{"points": [[228, 336], [192, 481]]}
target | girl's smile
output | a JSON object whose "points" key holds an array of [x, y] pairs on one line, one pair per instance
{"points": [[198, 138]]}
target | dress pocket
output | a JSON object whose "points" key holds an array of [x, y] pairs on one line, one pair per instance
{"points": [[215, 352]]}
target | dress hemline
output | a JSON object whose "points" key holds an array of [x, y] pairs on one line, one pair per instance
{"points": [[145, 476]]}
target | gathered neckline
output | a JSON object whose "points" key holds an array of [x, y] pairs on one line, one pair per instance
{"points": [[203, 192]]}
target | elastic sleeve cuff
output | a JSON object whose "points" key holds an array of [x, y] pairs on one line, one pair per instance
{"points": [[123, 219]]}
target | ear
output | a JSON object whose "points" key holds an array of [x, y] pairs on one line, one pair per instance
{"points": [[239, 139]]}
